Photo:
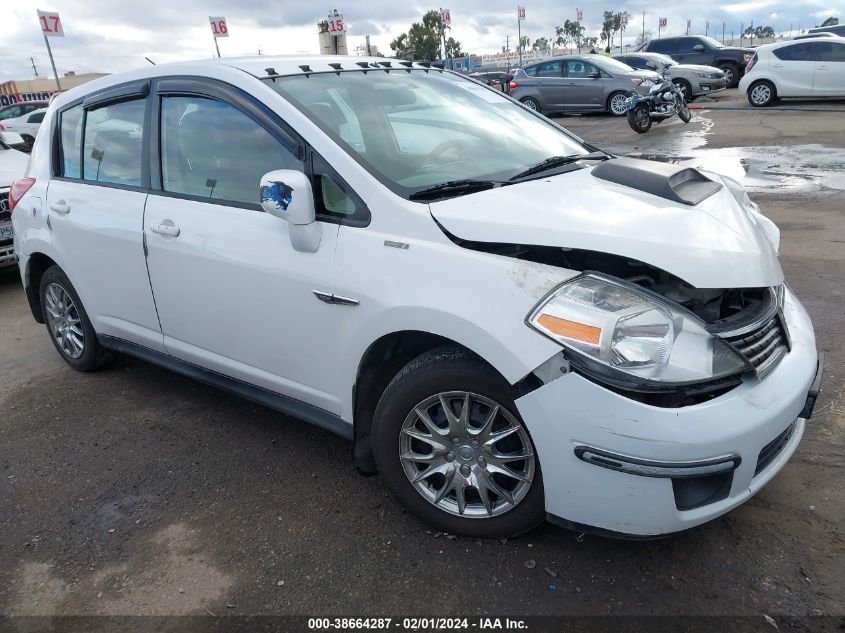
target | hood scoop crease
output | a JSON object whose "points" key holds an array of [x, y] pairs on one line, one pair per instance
{"points": [[672, 182]]}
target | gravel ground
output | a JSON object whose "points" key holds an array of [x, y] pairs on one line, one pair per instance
{"points": [[137, 491]]}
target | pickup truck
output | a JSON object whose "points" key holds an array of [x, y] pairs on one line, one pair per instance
{"points": [[703, 50]]}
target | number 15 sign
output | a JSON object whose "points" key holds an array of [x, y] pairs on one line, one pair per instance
{"points": [[51, 24]]}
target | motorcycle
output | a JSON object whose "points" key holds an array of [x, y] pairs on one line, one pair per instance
{"points": [[663, 101]]}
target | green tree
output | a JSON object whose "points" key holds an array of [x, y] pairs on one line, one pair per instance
{"points": [[611, 25], [541, 44], [589, 42], [831, 21], [524, 43], [570, 33], [422, 41]]}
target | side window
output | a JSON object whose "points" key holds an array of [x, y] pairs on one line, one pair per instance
{"points": [[635, 62], [71, 142], [531, 71], [330, 196], [576, 69], [549, 69], [836, 52], [796, 53], [38, 117], [211, 149], [686, 44], [112, 143], [668, 46]]}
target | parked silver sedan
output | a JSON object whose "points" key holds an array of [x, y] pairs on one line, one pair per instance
{"points": [[579, 83], [692, 79]]}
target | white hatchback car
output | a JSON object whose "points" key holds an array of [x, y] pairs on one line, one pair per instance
{"points": [[806, 68], [508, 323]]}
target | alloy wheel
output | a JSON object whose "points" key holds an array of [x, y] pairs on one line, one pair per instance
{"points": [[619, 104], [64, 321], [761, 94], [467, 455]]}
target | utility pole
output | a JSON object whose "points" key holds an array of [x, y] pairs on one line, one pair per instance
{"points": [[643, 36], [723, 32], [34, 69]]}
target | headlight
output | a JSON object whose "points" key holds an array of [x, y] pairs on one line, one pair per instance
{"points": [[746, 56], [706, 75], [646, 83], [630, 330]]}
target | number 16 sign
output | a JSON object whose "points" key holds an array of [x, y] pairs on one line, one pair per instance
{"points": [[218, 26]]}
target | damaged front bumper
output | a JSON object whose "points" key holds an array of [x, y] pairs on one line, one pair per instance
{"points": [[627, 468]]}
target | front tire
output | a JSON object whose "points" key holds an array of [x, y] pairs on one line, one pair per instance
{"points": [[449, 441], [685, 87], [761, 94], [639, 119], [684, 113], [731, 74], [617, 103], [68, 324]]}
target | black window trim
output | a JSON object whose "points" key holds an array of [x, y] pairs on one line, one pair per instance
{"points": [[193, 86], [129, 91]]}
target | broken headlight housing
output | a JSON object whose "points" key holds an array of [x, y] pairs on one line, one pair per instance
{"points": [[631, 335]]}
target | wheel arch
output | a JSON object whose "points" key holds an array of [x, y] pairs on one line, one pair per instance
{"points": [[382, 360], [36, 265]]}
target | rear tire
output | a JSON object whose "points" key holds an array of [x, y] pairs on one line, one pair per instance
{"points": [[531, 104], [639, 119], [68, 324], [762, 93], [468, 471]]}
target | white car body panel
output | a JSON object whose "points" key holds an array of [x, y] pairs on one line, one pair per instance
{"points": [[22, 125], [794, 78], [715, 244], [12, 165], [233, 297]]}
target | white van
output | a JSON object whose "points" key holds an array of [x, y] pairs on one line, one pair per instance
{"points": [[508, 323]]}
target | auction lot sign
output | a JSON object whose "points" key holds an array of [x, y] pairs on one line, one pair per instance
{"points": [[22, 97]]}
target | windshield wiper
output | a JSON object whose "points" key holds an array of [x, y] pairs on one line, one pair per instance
{"points": [[558, 161], [453, 188]]}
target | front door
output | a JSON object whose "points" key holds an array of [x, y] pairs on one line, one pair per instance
{"points": [[686, 53], [95, 210], [584, 87], [232, 294]]}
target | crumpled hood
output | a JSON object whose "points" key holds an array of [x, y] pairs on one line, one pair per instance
{"points": [[715, 244]]}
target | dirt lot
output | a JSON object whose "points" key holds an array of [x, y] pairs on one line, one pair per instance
{"points": [[136, 491]]}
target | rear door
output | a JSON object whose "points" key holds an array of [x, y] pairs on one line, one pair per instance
{"points": [[793, 67], [584, 86], [553, 88], [233, 295], [666, 46], [95, 210], [829, 75]]}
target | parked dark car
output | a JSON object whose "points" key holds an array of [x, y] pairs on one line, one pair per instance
{"points": [[495, 79], [836, 29], [704, 50]]}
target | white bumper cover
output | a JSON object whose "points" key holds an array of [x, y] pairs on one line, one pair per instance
{"points": [[573, 412]]}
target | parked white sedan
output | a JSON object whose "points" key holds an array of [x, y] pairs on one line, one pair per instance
{"points": [[803, 68], [26, 125]]}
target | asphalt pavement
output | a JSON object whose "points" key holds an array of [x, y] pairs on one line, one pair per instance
{"points": [[137, 491]]}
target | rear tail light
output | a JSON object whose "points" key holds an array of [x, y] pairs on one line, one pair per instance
{"points": [[18, 191], [514, 85], [1, 127], [751, 63]]}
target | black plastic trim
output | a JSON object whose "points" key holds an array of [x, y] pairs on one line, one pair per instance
{"points": [[815, 389], [672, 182], [602, 532], [279, 402], [124, 92]]}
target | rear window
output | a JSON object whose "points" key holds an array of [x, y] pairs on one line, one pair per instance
{"points": [[113, 137], [71, 142], [531, 71], [802, 52]]}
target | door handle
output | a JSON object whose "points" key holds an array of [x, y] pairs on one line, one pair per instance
{"points": [[821, 67], [165, 228], [60, 206]]}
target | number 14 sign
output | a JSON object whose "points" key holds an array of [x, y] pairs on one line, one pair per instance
{"points": [[51, 24]]}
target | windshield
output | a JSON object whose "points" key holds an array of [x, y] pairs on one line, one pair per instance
{"points": [[415, 129], [711, 43], [611, 65]]}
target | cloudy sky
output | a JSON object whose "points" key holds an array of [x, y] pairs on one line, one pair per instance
{"points": [[114, 35]]}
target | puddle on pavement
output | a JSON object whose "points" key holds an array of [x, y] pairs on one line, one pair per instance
{"points": [[794, 169]]}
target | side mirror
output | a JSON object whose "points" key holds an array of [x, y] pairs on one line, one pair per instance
{"points": [[287, 194], [593, 75], [698, 48], [11, 138]]}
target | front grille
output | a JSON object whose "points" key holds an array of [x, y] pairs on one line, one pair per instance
{"points": [[773, 449], [5, 214], [762, 346]]}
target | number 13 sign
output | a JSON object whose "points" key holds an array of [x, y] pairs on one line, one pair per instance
{"points": [[51, 24], [218, 26]]}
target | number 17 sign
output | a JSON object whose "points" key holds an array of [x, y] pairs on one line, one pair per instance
{"points": [[51, 24]]}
